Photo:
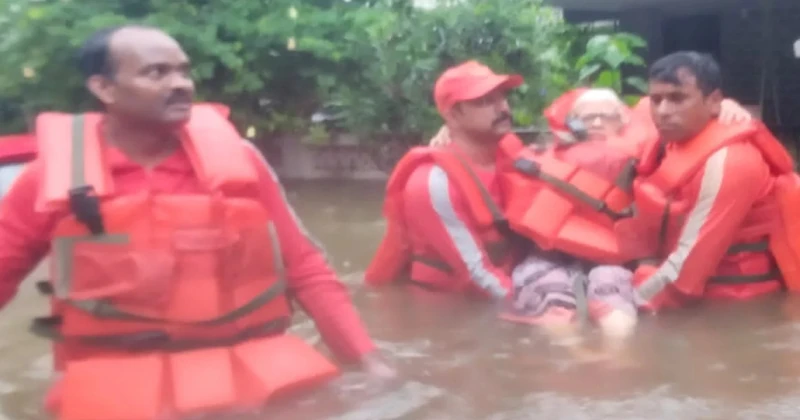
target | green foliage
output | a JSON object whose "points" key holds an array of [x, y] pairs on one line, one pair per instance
{"points": [[604, 59], [277, 62], [239, 50], [401, 54], [583, 56]]}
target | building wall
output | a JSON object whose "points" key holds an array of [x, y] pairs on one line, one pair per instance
{"points": [[294, 159]]}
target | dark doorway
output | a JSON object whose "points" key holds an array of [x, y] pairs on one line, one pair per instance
{"points": [[697, 33]]}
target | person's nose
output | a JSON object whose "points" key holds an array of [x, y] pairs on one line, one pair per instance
{"points": [[664, 109], [503, 106], [182, 81]]}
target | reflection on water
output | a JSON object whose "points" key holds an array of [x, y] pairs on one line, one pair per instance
{"points": [[725, 361]]}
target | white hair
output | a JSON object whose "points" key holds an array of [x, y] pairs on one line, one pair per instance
{"points": [[603, 95], [597, 95]]}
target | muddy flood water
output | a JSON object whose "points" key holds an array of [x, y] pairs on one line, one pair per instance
{"points": [[458, 361]]}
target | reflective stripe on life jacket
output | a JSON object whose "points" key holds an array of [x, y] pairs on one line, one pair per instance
{"points": [[181, 296], [395, 258], [657, 198]]}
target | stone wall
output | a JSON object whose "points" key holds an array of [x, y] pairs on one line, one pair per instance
{"points": [[347, 159], [295, 159]]}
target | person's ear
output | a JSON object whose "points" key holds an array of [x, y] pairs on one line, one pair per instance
{"points": [[452, 114], [714, 100], [102, 88]]}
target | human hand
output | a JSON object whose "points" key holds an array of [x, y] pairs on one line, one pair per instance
{"points": [[442, 138], [375, 365], [731, 112]]}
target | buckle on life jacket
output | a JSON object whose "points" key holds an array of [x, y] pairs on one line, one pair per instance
{"points": [[45, 288], [85, 205]]}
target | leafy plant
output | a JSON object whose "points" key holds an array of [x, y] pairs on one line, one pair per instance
{"points": [[278, 62], [402, 53], [604, 61], [239, 51]]}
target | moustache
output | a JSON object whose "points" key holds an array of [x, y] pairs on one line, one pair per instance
{"points": [[179, 97], [505, 118]]}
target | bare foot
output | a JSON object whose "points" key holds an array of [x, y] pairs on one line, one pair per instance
{"points": [[617, 328], [618, 324]]}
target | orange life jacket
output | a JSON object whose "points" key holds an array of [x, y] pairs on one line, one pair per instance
{"points": [[563, 207], [775, 220], [223, 109], [641, 132], [395, 259], [166, 305]]}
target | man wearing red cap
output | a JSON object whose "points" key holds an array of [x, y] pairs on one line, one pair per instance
{"points": [[446, 230]]}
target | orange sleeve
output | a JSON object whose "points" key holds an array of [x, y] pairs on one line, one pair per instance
{"points": [[437, 214], [24, 233], [725, 189], [312, 282]]}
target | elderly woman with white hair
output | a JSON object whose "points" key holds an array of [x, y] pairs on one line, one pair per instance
{"points": [[601, 111]]}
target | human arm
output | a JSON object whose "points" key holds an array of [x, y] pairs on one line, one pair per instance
{"points": [[729, 183], [23, 232], [437, 207], [442, 138], [312, 282], [732, 112]]}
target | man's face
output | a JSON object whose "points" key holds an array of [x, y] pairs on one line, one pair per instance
{"points": [[602, 118], [151, 82], [487, 117], [681, 111]]}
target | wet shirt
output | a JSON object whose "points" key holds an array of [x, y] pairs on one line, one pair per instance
{"points": [[25, 239]]}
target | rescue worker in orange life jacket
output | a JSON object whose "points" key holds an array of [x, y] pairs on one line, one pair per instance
{"points": [[173, 250], [446, 229], [603, 152], [706, 194]]}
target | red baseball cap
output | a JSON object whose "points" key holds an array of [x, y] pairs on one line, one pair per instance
{"points": [[468, 81]]}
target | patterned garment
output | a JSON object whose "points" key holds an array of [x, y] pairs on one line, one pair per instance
{"points": [[610, 287], [543, 283]]}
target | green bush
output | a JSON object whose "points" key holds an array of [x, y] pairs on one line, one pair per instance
{"points": [[400, 55], [277, 62]]}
